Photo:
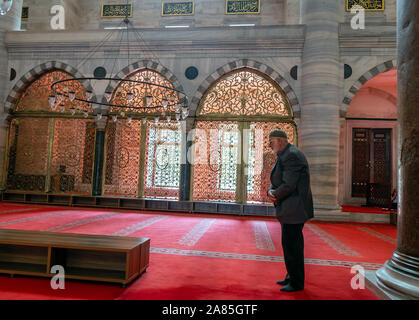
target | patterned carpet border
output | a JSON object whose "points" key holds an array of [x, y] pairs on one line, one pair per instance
{"points": [[138, 226], [334, 243], [256, 257], [17, 210], [49, 215], [378, 235], [196, 233], [262, 237], [81, 222]]}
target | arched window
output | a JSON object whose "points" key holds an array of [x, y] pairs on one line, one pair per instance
{"points": [[35, 97], [232, 158], [142, 155], [140, 90], [162, 165], [245, 92], [49, 150]]}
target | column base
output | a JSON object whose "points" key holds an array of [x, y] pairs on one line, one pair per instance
{"points": [[398, 279], [324, 214], [335, 213]]}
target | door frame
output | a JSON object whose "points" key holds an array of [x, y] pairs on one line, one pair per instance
{"points": [[347, 172]]}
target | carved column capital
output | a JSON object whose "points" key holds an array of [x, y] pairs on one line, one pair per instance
{"points": [[101, 123]]}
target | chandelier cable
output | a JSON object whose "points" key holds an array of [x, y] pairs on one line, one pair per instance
{"points": [[170, 97]]}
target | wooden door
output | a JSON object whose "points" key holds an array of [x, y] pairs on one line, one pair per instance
{"points": [[371, 165], [360, 161]]}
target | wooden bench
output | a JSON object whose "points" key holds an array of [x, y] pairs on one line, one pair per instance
{"points": [[84, 257]]}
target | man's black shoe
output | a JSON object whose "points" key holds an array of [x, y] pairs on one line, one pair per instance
{"points": [[290, 288], [283, 282]]}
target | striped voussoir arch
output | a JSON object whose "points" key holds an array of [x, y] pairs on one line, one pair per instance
{"points": [[144, 64], [252, 64], [383, 67], [34, 74]]}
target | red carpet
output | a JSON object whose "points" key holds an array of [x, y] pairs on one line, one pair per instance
{"points": [[207, 256]]}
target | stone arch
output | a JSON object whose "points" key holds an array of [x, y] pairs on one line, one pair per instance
{"points": [[383, 67], [285, 86], [36, 72], [145, 64]]}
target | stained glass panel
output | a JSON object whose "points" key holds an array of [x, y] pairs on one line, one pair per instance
{"points": [[162, 164], [245, 92]]}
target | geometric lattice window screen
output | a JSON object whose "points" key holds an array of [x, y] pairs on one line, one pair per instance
{"points": [[141, 89], [72, 156], [245, 92], [28, 154], [215, 160], [71, 159], [30, 140], [35, 96], [261, 160], [123, 141], [241, 94], [227, 160], [162, 165]]}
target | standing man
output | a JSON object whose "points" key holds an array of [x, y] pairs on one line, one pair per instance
{"points": [[291, 194]]}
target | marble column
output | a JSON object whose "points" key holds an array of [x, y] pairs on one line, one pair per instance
{"points": [[10, 21], [321, 83], [99, 156], [400, 275], [185, 167]]}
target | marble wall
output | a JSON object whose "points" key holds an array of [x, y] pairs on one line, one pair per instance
{"points": [[40, 14], [315, 36], [10, 21], [210, 50], [147, 14]]}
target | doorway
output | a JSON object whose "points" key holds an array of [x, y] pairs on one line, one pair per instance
{"points": [[371, 165]]}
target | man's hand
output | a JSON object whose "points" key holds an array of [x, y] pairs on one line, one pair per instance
{"points": [[272, 197]]}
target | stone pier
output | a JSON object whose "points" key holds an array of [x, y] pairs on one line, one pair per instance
{"points": [[321, 83], [10, 21], [399, 277]]}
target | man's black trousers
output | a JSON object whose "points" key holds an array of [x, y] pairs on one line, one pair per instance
{"points": [[293, 247]]}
